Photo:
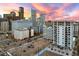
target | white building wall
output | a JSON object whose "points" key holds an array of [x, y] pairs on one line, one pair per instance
{"points": [[32, 32], [71, 35], [47, 32], [44, 32], [61, 36], [21, 34]]}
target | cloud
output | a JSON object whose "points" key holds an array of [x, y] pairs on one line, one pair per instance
{"points": [[75, 13], [41, 8], [61, 10]]}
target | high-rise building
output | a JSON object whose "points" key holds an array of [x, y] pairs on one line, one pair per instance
{"points": [[33, 17], [33, 20], [41, 22], [76, 29], [21, 12], [63, 33]]}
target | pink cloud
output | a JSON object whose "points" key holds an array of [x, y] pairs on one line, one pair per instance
{"points": [[39, 7], [60, 12]]}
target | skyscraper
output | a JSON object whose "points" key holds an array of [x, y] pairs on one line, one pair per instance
{"points": [[33, 17], [21, 12], [41, 22]]}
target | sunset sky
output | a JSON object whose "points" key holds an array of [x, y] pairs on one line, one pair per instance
{"points": [[51, 10]]}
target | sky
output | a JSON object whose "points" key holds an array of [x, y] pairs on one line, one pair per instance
{"points": [[51, 10]]}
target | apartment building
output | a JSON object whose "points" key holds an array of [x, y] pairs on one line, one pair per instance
{"points": [[63, 33]]}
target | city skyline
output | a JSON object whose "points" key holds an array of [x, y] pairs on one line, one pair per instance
{"points": [[51, 10], [39, 29]]}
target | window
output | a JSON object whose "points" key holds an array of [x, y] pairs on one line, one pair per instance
{"points": [[58, 50], [62, 38], [63, 52], [63, 42], [55, 49], [68, 43], [51, 48], [62, 33], [67, 54]]}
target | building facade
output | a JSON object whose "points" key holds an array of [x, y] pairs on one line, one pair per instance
{"points": [[47, 32], [4, 26], [23, 33], [41, 22], [19, 24], [21, 12], [33, 17], [63, 33]]}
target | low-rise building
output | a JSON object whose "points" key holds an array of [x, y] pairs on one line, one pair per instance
{"points": [[23, 33]]}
